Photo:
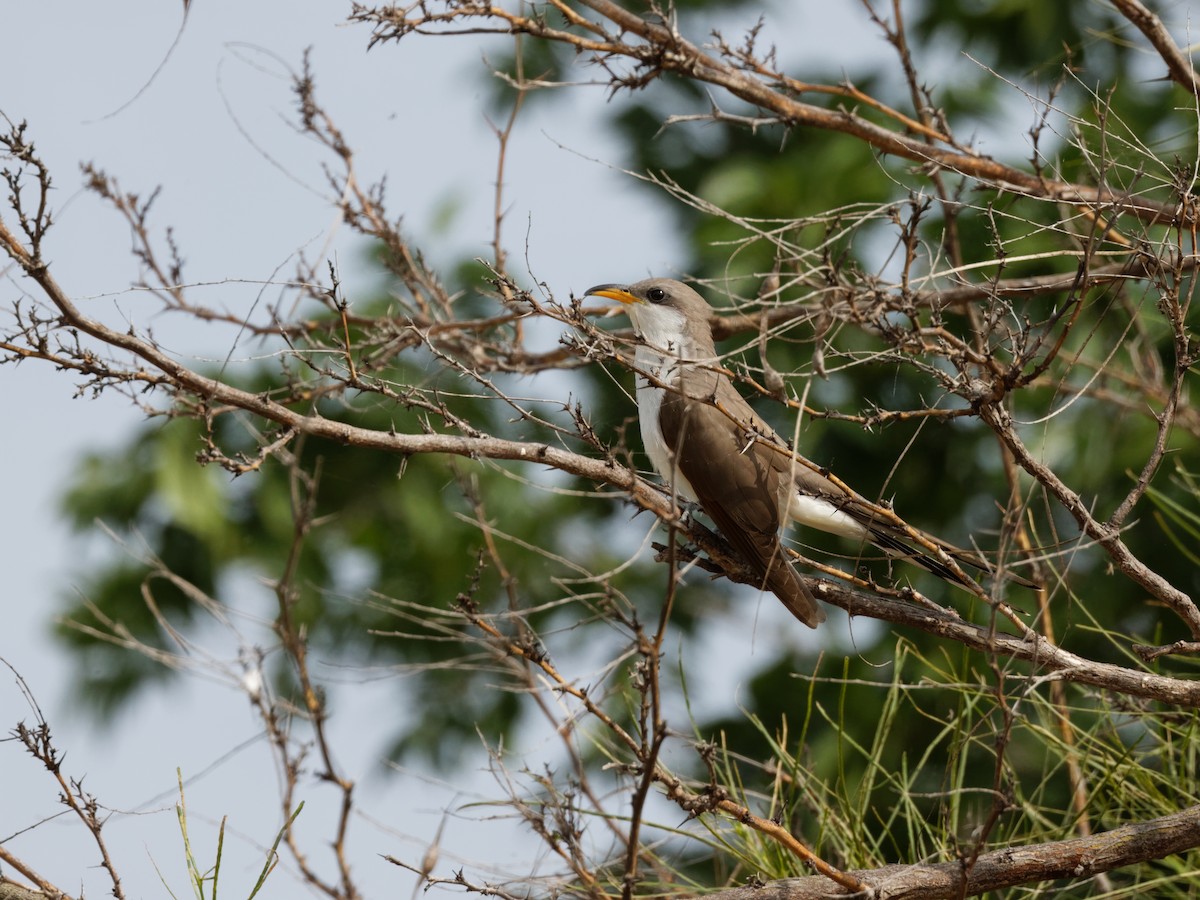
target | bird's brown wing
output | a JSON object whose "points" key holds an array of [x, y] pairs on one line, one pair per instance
{"points": [[879, 526], [743, 499]]}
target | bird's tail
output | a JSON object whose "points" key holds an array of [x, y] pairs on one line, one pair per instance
{"points": [[893, 545], [785, 583]]}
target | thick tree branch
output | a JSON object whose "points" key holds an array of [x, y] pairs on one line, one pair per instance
{"points": [[1079, 858], [1042, 654]]}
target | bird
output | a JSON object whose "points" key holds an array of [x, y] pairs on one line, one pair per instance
{"points": [[710, 446]]}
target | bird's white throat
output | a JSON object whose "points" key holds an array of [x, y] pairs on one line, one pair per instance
{"points": [[661, 327]]}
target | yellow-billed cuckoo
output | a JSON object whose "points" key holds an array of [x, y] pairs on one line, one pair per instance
{"points": [[707, 443]]}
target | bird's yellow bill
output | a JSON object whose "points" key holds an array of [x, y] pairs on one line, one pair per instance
{"points": [[612, 292]]}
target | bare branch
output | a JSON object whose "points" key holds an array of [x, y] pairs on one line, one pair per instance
{"points": [[1080, 858]]}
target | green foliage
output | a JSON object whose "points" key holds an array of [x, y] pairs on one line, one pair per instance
{"points": [[204, 882], [1027, 40], [913, 760], [1181, 522]]}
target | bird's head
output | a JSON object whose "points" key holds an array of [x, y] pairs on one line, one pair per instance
{"points": [[666, 314]]}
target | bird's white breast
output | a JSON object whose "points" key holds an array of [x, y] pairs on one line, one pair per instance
{"points": [[662, 369]]}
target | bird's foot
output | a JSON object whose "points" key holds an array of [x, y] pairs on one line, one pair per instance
{"points": [[688, 510]]}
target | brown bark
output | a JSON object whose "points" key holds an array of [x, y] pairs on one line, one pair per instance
{"points": [[1079, 858]]}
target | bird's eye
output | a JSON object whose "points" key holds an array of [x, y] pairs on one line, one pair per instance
{"points": [[656, 295]]}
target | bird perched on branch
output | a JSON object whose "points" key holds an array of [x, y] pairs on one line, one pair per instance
{"points": [[710, 447]]}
